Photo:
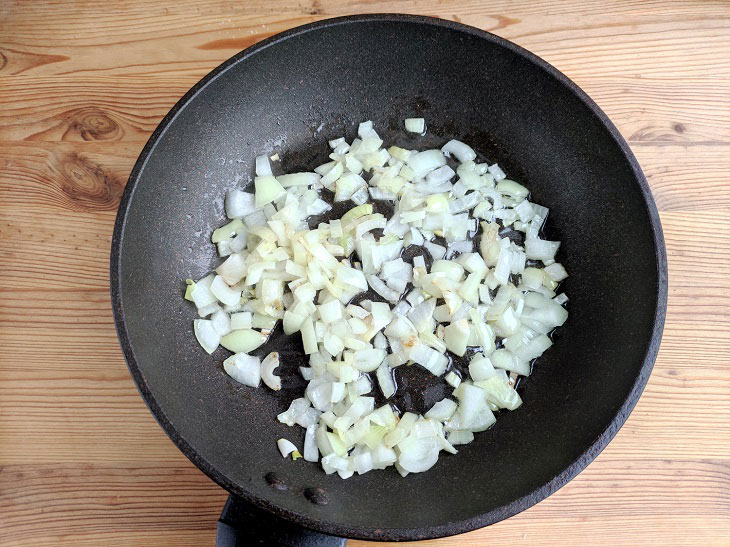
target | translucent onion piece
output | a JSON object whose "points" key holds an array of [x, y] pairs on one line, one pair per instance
{"points": [[244, 368], [270, 362]]}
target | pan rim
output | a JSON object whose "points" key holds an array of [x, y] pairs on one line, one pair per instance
{"points": [[392, 534]]}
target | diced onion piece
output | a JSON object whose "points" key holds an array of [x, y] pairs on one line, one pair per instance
{"points": [[401, 431], [556, 271], [233, 269], [481, 368], [442, 410], [367, 360], [311, 452], [296, 409], [242, 341], [461, 437], [436, 251], [221, 322], [471, 403], [534, 348], [540, 249], [244, 368], [418, 455], [385, 379], [496, 172], [423, 163], [331, 311], [453, 379], [287, 447], [238, 204], [500, 393], [512, 189], [270, 362], [440, 175], [263, 167], [308, 337], [268, 189], [298, 179], [382, 289], [430, 359], [507, 360], [206, 334], [456, 336], [461, 151], [223, 292], [227, 231], [415, 125]]}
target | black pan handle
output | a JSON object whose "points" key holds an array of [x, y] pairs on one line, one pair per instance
{"points": [[243, 524]]}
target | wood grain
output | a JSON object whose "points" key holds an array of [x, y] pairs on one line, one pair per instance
{"points": [[83, 84]]}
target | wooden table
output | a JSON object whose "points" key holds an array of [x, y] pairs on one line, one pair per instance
{"points": [[82, 85]]}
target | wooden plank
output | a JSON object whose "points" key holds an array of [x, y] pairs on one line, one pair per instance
{"points": [[82, 85], [65, 503], [96, 501], [128, 108], [581, 46]]}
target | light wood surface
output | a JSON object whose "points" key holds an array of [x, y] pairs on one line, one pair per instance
{"points": [[82, 85]]}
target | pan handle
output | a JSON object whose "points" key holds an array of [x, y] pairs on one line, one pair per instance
{"points": [[243, 524]]}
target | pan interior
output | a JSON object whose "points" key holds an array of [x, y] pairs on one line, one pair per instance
{"points": [[293, 95]]}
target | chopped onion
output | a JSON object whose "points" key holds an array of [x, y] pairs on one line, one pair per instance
{"points": [[456, 336], [311, 452], [280, 266], [287, 447], [227, 231], [507, 360], [440, 175], [298, 179], [244, 368], [385, 379], [437, 252], [223, 292], [418, 455], [539, 249], [268, 189], [415, 125], [206, 334], [270, 362], [461, 437], [382, 289], [556, 271], [500, 393], [242, 341], [263, 167], [442, 411], [496, 172], [462, 151], [423, 163], [221, 322], [471, 403], [239, 204], [453, 379], [367, 360], [430, 359]]}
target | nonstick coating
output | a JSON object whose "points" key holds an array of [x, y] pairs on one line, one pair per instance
{"points": [[292, 92]]}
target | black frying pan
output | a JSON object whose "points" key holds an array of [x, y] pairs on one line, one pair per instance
{"points": [[290, 93]]}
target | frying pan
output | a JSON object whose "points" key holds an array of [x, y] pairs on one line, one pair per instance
{"points": [[289, 94]]}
